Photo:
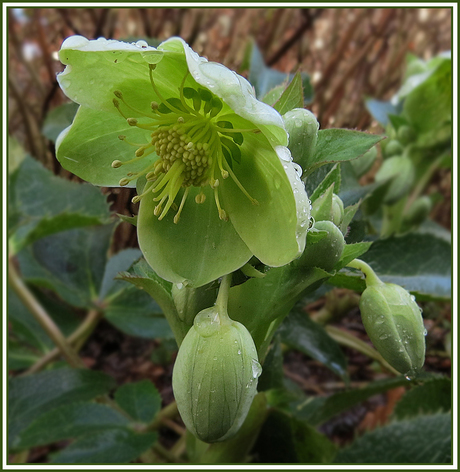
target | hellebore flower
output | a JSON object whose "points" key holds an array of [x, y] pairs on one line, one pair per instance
{"points": [[215, 180]]}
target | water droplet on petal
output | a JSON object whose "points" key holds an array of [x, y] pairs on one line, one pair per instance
{"points": [[256, 368]]}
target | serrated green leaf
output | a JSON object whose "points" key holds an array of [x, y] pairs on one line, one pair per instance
{"points": [[48, 204], [114, 446], [351, 252], [292, 97], [70, 262], [348, 214], [420, 262], [140, 400], [70, 422], [332, 177], [303, 334], [422, 440], [432, 397], [271, 97], [318, 410], [33, 395], [337, 145]]}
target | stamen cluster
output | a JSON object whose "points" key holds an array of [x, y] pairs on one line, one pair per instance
{"points": [[172, 144]]}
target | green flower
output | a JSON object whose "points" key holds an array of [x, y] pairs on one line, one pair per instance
{"points": [[214, 177]]}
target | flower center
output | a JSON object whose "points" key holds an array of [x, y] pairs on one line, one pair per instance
{"points": [[193, 146]]}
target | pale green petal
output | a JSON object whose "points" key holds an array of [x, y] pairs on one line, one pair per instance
{"points": [[96, 69], [198, 249], [89, 146], [276, 228], [233, 89]]}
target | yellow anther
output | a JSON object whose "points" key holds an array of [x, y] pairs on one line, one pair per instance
{"points": [[214, 183], [223, 214], [118, 94], [121, 137], [224, 174], [116, 103], [124, 182], [132, 121], [136, 199], [116, 164], [154, 106], [200, 198], [139, 152]]}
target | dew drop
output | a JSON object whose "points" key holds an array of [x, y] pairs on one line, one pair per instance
{"points": [[408, 378], [383, 336], [256, 368], [239, 352], [425, 332], [141, 44]]}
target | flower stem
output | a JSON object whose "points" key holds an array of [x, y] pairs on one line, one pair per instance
{"points": [[366, 269], [39, 313], [222, 296], [77, 338]]}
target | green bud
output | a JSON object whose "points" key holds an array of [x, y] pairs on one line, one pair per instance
{"points": [[328, 207], [418, 212], [327, 251], [400, 170], [393, 148], [394, 324], [302, 127], [363, 164], [215, 376], [406, 135], [337, 210]]}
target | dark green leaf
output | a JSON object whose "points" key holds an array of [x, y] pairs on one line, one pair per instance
{"points": [[272, 372], [300, 332], [49, 204], [432, 397], [136, 313], [116, 446], [69, 422], [70, 262], [31, 396], [333, 177], [58, 119], [419, 261], [120, 262], [140, 400], [336, 145], [292, 97], [422, 440], [318, 410], [284, 439]]}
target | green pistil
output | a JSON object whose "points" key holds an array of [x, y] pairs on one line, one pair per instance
{"points": [[190, 143]]}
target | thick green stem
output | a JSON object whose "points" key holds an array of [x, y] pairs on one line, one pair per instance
{"points": [[366, 269], [39, 313]]}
